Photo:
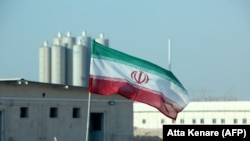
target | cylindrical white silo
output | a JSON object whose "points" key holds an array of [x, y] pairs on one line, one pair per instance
{"points": [[78, 63], [84, 39], [102, 40], [68, 42], [58, 40], [44, 63], [58, 58], [81, 60]]}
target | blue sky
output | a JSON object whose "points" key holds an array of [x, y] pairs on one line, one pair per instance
{"points": [[210, 39]]}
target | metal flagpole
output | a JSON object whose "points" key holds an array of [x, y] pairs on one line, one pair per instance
{"points": [[169, 54], [88, 118], [89, 97]]}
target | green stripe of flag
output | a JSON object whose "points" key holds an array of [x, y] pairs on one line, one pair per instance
{"points": [[103, 52]]}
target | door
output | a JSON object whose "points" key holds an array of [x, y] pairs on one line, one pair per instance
{"points": [[1, 135], [96, 127]]}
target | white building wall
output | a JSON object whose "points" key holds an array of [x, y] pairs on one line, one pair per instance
{"points": [[219, 112]]}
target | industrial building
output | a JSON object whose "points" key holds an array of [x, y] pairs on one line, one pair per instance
{"points": [[35, 111], [149, 120]]}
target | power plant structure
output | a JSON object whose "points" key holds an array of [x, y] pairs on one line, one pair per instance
{"points": [[67, 60]]}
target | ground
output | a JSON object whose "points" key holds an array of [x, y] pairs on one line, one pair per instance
{"points": [[147, 134]]}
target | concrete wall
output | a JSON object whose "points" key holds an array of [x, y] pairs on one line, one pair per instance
{"points": [[38, 125]]}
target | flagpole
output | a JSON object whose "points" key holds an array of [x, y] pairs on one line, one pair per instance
{"points": [[169, 54], [89, 97], [88, 117]]}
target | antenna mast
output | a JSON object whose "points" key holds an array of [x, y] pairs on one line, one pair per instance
{"points": [[169, 54]]}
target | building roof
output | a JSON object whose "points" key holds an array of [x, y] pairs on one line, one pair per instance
{"points": [[24, 81], [203, 106]]}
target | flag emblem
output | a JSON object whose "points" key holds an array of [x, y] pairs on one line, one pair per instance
{"points": [[139, 77]]}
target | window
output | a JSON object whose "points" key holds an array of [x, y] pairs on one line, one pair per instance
{"points": [[244, 120], [214, 121], [144, 121], [182, 121], [173, 121], [53, 112], [162, 121], [223, 120], [194, 121], [23, 112], [76, 113], [202, 121], [235, 121]]}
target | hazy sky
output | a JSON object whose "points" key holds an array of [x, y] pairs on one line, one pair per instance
{"points": [[210, 39]]}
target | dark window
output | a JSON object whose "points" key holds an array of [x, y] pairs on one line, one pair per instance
{"points": [[23, 112], [235, 121], [53, 112], [182, 121], [194, 121], [162, 121], [143, 121], [214, 120], [76, 113], [244, 120], [202, 121], [223, 120], [173, 121]]}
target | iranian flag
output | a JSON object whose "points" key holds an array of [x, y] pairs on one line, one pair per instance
{"points": [[114, 72]]}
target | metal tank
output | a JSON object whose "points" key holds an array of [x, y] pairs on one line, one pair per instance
{"points": [[84, 39], [58, 40], [102, 40], [68, 41], [44, 63], [81, 60], [58, 60]]}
